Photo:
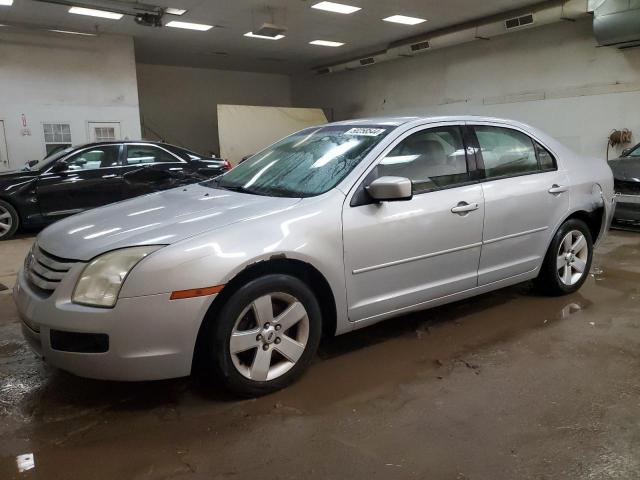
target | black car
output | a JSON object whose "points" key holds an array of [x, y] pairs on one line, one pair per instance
{"points": [[626, 174], [88, 176]]}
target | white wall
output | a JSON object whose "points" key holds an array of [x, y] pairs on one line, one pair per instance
{"points": [[553, 77], [64, 79], [179, 104]]}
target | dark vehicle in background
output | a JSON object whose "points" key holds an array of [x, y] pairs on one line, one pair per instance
{"points": [[79, 178], [626, 174]]}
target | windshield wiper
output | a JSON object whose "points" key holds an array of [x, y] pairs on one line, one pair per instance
{"points": [[238, 188]]}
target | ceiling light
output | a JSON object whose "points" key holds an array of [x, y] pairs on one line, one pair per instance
{"points": [[189, 26], [175, 11], [69, 32], [95, 13], [404, 20], [336, 7], [326, 43], [264, 37], [6, 3]]}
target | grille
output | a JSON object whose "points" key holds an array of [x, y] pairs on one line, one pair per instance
{"points": [[627, 188], [45, 271]]}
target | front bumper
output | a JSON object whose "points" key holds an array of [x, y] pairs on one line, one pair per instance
{"points": [[150, 337]]}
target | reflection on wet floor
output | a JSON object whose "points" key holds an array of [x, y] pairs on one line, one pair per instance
{"points": [[506, 385]]}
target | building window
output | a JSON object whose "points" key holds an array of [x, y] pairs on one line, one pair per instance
{"points": [[105, 134], [56, 136]]}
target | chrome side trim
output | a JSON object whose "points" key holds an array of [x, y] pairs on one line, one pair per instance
{"points": [[444, 252], [415, 259], [515, 235]]}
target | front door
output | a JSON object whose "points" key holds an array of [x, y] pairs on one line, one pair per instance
{"points": [[405, 253], [104, 131], [526, 197], [93, 178], [4, 158]]}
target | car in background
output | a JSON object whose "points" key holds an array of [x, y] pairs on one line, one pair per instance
{"points": [[79, 178], [626, 174], [331, 229]]}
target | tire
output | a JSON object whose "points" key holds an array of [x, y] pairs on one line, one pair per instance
{"points": [[568, 261], [9, 220], [275, 316]]}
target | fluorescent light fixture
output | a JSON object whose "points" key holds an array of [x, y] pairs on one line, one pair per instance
{"points": [[326, 43], [175, 11], [189, 26], [264, 37], [404, 20], [335, 7], [6, 3], [92, 12], [69, 32]]}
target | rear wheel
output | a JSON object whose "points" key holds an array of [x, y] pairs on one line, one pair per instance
{"points": [[568, 261], [265, 335], [9, 220]]}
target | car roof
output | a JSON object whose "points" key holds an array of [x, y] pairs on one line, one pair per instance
{"points": [[149, 142], [398, 121]]}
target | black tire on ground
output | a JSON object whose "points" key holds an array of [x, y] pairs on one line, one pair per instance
{"points": [[549, 279], [7, 209], [218, 365]]}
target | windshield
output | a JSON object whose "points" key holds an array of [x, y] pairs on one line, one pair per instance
{"points": [[635, 152], [305, 164]]}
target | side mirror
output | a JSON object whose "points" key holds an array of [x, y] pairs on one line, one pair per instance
{"points": [[60, 166], [390, 189], [625, 152]]}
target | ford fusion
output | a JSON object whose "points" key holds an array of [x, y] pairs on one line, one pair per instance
{"points": [[329, 230]]}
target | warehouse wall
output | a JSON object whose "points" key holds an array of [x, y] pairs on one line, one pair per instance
{"points": [[52, 78], [179, 104], [553, 77]]}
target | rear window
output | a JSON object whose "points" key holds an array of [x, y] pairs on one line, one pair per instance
{"points": [[506, 152]]}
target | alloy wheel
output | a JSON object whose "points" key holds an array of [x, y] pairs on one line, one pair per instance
{"points": [[6, 221], [269, 336], [572, 259]]}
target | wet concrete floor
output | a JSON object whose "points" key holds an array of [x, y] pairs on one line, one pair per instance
{"points": [[509, 385]]}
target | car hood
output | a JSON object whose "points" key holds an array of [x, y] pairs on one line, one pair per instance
{"points": [[157, 219], [626, 169]]}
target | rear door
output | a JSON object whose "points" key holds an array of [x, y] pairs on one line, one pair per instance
{"points": [[526, 196], [149, 168], [92, 179]]}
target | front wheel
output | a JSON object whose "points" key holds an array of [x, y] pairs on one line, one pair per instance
{"points": [[8, 220], [265, 335], [568, 260]]}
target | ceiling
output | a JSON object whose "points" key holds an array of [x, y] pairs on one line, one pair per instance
{"points": [[226, 47]]}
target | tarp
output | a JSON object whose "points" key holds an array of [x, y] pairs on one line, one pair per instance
{"points": [[244, 129]]}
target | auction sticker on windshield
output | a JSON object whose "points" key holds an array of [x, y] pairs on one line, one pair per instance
{"points": [[365, 132]]}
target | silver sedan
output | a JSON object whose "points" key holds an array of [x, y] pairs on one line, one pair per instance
{"points": [[329, 230]]}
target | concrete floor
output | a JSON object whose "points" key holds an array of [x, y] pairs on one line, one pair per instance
{"points": [[509, 385]]}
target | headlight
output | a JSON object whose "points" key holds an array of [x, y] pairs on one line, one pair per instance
{"points": [[101, 280]]}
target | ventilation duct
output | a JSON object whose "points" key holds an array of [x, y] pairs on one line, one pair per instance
{"points": [[617, 23], [544, 13]]}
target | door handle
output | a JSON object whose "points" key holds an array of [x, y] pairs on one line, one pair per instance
{"points": [[556, 189], [463, 208], [113, 175]]}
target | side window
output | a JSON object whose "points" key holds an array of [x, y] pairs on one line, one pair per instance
{"points": [[547, 162], [431, 159], [93, 158], [505, 152], [142, 154]]}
